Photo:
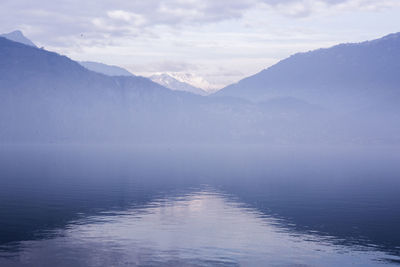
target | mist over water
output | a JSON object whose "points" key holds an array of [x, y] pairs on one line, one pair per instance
{"points": [[297, 165], [199, 205]]}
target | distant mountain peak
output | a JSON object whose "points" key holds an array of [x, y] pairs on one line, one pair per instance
{"points": [[391, 36], [176, 83], [18, 36], [193, 80], [109, 70], [17, 32]]}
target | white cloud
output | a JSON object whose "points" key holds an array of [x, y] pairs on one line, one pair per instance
{"points": [[210, 37], [73, 17], [120, 15]]}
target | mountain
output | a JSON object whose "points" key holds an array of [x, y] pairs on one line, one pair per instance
{"points": [[48, 98], [193, 80], [18, 36], [170, 82], [105, 69], [346, 76]]}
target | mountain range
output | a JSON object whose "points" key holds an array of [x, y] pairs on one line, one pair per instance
{"points": [[193, 80], [346, 76], [345, 94], [109, 70], [18, 36], [174, 83]]}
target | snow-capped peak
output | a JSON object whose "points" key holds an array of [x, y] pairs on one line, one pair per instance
{"points": [[173, 83], [191, 79]]}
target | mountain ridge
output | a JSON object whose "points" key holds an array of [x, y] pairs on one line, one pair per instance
{"points": [[333, 75], [110, 70], [172, 83], [19, 37], [46, 97]]}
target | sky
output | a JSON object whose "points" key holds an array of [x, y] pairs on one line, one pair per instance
{"points": [[220, 40]]}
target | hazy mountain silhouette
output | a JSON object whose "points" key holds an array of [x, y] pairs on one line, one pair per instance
{"points": [[346, 76], [109, 70], [18, 36], [46, 97]]}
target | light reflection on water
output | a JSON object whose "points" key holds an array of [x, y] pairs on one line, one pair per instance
{"points": [[198, 206], [202, 228]]}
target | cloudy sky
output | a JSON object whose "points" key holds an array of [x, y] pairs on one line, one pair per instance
{"points": [[221, 40]]}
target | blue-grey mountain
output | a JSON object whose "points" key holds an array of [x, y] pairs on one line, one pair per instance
{"points": [[109, 70], [346, 76], [48, 98], [18, 36]]}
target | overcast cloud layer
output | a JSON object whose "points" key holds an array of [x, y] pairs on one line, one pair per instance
{"points": [[222, 40]]}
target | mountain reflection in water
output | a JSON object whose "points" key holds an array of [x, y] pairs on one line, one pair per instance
{"points": [[231, 207]]}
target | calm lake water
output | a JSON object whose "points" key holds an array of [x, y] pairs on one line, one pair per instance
{"points": [[199, 206]]}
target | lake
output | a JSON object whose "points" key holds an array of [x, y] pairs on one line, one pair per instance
{"points": [[209, 205]]}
